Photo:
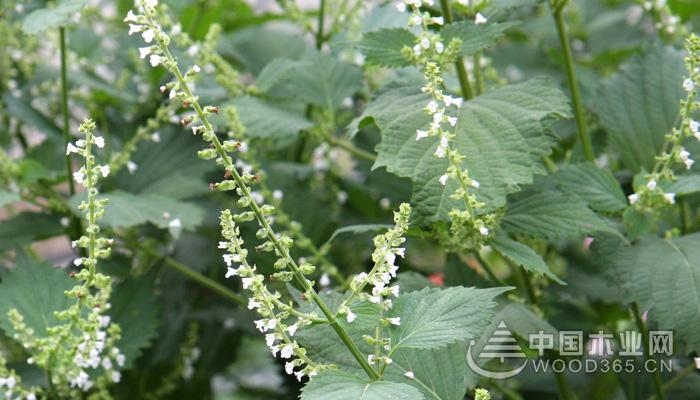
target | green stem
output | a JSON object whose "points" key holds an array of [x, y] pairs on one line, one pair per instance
{"points": [[563, 386], [579, 112], [264, 224], [321, 22], [487, 268], [64, 106], [525, 283], [656, 375], [459, 64], [214, 286], [478, 77]]}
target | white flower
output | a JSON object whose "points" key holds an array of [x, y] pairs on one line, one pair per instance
{"points": [[104, 170], [150, 3], [99, 142], [78, 262], [246, 282], [370, 359], [409, 374], [277, 194], [79, 176], [292, 329], [484, 230], [439, 47], [155, 60], [694, 126], [670, 197], [324, 280], [299, 375], [633, 198], [130, 17], [144, 51], [148, 35], [394, 290], [134, 28], [474, 183], [415, 20], [342, 197], [395, 321], [480, 19], [70, 148], [172, 94], [443, 179], [231, 258], [121, 359], [425, 43], [230, 271], [116, 376], [439, 20], [688, 85], [400, 6], [252, 304], [176, 223], [390, 258], [651, 185], [456, 101], [131, 167], [432, 107], [452, 121], [289, 368], [196, 69], [420, 134], [417, 50], [287, 351], [351, 316], [270, 339]]}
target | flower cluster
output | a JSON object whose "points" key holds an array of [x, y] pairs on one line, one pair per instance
{"points": [[430, 53], [651, 195], [86, 341], [665, 21]]}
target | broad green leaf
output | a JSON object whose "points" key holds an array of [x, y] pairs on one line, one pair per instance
{"points": [[640, 104], [595, 186], [134, 309], [524, 256], [383, 47], [35, 289], [49, 18], [553, 215], [433, 318], [500, 134], [257, 46], [685, 185], [267, 121], [126, 209], [255, 367], [474, 37], [334, 385], [22, 110], [663, 275], [316, 78], [355, 229], [439, 374], [27, 227], [7, 197]]}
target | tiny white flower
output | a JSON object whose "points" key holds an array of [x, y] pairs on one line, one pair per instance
{"points": [[176, 29], [484, 230], [409, 375], [417, 50], [455, 101], [148, 35], [70, 148], [432, 107], [277, 194], [670, 197], [196, 69], [694, 126], [131, 167], [370, 359], [104, 170], [439, 20], [395, 321], [439, 47], [130, 17], [144, 51], [299, 375], [79, 177], [270, 339], [292, 329], [415, 20], [651, 185], [443, 179], [116, 376], [134, 28], [78, 262], [480, 19], [351, 316], [287, 351], [401, 252], [230, 271], [176, 223], [155, 60], [400, 6], [633, 198], [289, 368], [172, 94], [420, 134], [155, 137], [394, 290], [150, 3], [474, 183], [342, 197], [452, 121], [688, 85], [246, 282], [253, 304], [425, 43], [324, 281], [100, 142]]}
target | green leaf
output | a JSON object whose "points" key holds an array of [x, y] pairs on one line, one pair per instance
{"points": [[49, 18], [663, 275], [316, 79], [27, 227], [7, 197], [267, 121], [126, 209], [35, 289], [23, 111], [333, 385], [433, 318], [134, 309], [438, 373], [553, 215], [640, 104], [595, 186], [501, 134], [524, 256], [383, 47], [474, 37], [685, 185]]}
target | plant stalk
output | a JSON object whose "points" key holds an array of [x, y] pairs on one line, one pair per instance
{"points": [[321, 24], [64, 105], [462, 74], [579, 112], [656, 375]]}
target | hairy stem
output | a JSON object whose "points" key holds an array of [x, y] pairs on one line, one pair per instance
{"points": [[459, 64], [321, 24], [64, 105], [656, 375], [579, 112]]}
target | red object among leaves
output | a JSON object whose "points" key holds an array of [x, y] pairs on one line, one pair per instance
{"points": [[437, 278]]}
